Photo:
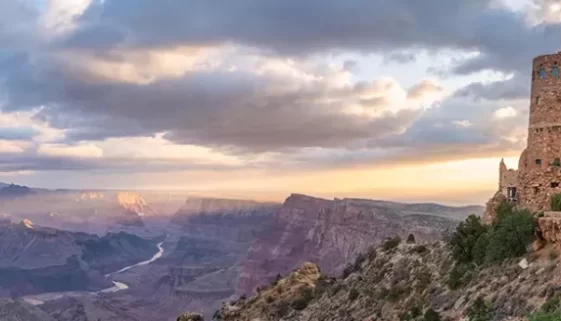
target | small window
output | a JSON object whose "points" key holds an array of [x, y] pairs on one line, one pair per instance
{"points": [[557, 162], [538, 100], [542, 73], [538, 161], [554, 184], [555, 72], [536, 189]]}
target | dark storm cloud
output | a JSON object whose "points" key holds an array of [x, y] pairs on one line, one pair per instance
{"points": [[292, 25], [299, 27]]}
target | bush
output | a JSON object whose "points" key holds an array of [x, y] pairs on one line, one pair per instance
{"points": [[507, 237], [395, 293], [353, 294], [460, 275], [424, 277], [552, 304], [419, 249], [431, 315], [391, 243], [465, 237], [510, 236], [372, 253], [410, 239], [556, 202], [479, 311], [545, 316], [302, 302], [479, 250]]}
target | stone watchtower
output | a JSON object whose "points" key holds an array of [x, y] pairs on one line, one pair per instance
{"points": [[539, 169]]}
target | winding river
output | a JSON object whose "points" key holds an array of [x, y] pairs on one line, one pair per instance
{"points": [[38, 299]]}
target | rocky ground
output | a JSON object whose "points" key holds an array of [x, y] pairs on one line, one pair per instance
{"points": [[406, 281]]}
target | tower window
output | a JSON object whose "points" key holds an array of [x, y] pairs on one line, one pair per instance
{"points": [[554, 184], [542, 73], [538, 100], [538, 161], [536, 189], [555, 72], [557, 162]]}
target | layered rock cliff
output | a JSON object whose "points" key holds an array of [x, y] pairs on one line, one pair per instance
{"points": [[330, 234]]}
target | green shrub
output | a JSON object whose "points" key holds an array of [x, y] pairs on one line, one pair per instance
{"points": [[479, 250], [507, 237], [431, 315], [552, 304], [303, 300], [510, 236], [353, 294], [419, 249], [465, 237], [459, 276], [556, 202], [391, 243], [479, 311], [372, 253], [423, 277], [545, 316], [396, 292]]}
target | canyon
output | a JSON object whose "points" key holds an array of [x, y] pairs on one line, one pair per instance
{"points": [[208, 250]]}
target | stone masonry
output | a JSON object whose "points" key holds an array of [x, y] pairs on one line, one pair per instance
{"points": [[538, 176]]}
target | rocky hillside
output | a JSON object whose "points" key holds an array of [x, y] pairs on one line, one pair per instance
{"points": [[17, 310], [332, 233], [409, 282]]}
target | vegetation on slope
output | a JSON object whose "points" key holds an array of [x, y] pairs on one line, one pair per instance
{"points": [[483, 273]]}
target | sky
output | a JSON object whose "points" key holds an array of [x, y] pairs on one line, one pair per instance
{"points": [[401, 100]]}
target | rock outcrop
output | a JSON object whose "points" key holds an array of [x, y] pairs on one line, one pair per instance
{"points": [[491, 207], [550, 227], [271, 302], [330, 234]]}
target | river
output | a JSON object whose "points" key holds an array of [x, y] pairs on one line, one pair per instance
{"points": [[38, 299]]}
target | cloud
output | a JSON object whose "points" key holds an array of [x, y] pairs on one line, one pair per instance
{"points": [[505, 38], [505, 112], [462, 123], [515, 87], [79, 151], [263, 104], [401, 57], [423, 89], [237, 84]]}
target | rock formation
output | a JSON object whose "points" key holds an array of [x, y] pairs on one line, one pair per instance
{"points": [[330, 234]]}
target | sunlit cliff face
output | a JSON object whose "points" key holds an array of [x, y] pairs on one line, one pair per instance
{"points": [[369, 100]]}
